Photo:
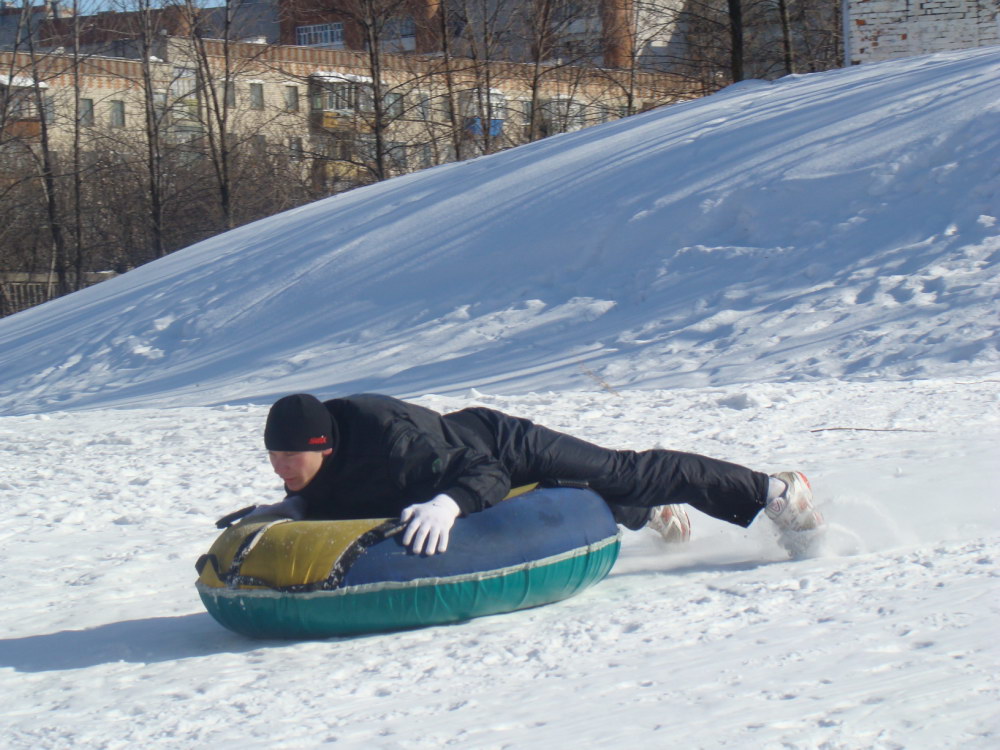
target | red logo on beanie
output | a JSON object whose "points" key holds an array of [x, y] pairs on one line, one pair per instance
{"points": [[321, 440]]}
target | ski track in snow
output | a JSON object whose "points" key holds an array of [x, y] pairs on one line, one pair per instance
{"points": [[885, 638]]}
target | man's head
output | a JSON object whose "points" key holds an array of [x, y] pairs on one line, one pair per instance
{"points": [[298, 435], [298, 423]]}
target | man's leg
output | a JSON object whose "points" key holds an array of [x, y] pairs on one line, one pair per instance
{"points": [[643, 479], [632, 517]]}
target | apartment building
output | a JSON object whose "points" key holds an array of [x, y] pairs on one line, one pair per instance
{"points": [[319, 106]]}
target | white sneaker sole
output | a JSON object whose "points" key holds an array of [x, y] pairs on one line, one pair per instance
{"points": [[672, 523], [794, 510]]}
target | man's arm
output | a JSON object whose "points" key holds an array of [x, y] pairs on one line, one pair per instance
{"points": [[473, 480], [423, 459], [466, 481]]}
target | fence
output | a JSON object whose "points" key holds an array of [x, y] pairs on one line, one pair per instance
{"points": [[19, 291]]}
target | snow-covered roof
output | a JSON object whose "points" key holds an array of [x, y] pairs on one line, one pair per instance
{"points": [[333, 75], [21, 81]]}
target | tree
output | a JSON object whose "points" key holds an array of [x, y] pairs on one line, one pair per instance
{"points": [[770, 38], [46, 162], [735, 39]]}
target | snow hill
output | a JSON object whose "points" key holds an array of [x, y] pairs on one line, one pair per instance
{"points": [[797, 274], [832, 225]]}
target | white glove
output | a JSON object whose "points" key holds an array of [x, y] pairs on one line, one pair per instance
{"points": [[293, 506], [428, 525]]}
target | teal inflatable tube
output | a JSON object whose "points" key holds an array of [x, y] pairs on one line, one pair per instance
{"points": [[534, 549]]}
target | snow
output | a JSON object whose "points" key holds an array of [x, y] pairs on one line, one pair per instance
{"points": [[797, 274]]}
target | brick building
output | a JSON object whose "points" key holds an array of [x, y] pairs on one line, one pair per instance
{"points": [[888, 29]]}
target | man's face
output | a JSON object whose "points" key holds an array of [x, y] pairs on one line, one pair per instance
{"points": [[297, 468]]}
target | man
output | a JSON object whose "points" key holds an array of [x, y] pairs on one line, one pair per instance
{"points": [[373, 456]]}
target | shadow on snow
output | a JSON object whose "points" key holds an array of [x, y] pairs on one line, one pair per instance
{"points": [[150, 640]]}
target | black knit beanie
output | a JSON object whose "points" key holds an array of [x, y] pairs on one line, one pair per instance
{"points": [[298, 423]]}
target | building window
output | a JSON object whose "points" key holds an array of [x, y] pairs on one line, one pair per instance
{"points": [[296, 152], [366, 147], [8, 102], [484, 112], [320, 35], [525, 110], [160, 106], [341, 96], [426, 155], [184, 83], [229, 89], [291, 98], [423, 106], [393, 105], [337, 148], [49, 109], [564, 114], [398, 154], [399, 34], [87, 112], [475, 126], [256, 96], [445, 108], [399, 28], [185, 135], [576, 115], [117, 113], [478, 103]]}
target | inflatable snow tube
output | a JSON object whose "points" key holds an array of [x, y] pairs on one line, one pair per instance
{"points": [[276, 578]]}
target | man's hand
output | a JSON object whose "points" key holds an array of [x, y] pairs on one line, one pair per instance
{"points": [[293, 506], [428, 525]]}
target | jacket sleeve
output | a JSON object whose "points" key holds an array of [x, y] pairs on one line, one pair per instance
{"points": [[423, 460]]}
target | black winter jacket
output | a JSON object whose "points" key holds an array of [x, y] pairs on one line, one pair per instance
{"points": [[389, 454]]}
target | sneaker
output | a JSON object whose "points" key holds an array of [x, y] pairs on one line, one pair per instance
{"points": [[793, 510], [671, 522]]}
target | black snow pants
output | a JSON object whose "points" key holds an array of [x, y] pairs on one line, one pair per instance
{"points": [[631, 482]]}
